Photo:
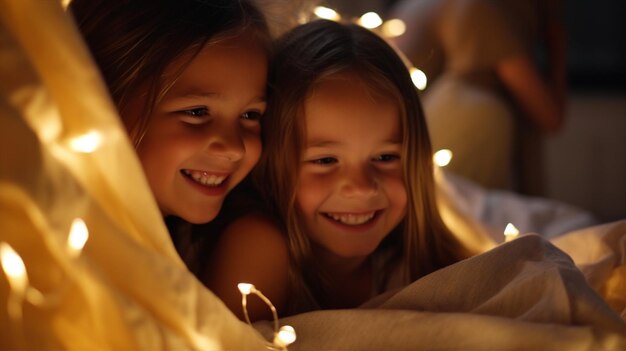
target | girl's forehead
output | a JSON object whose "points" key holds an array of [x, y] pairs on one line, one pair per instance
{"points": [[343, 104], [235, 63], [218, 46], [351, 82]]}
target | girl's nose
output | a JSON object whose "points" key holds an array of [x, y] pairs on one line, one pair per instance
{"points": [[227, 143], [359, 182]]}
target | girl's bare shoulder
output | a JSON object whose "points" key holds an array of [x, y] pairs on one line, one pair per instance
{"points": [[254, 229], [251, 249]]}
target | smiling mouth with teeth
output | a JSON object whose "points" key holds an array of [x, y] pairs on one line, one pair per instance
{"points": [[351, 219], [204, 178]]}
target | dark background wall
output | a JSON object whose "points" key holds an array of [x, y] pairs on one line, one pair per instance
{"points": [[596, 44], [585, 164]]}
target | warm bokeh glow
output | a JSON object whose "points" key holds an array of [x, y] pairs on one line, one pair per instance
{"points": [[370, 20], [442, 157], [393, 28], [419, 78], [87, 142], [13, 267], [78, 237], [326, 13]]}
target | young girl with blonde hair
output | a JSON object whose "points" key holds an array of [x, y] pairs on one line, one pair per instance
{"points": [[348, 167]]}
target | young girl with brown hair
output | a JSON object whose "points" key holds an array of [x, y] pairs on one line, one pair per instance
{"points": [[189, 80]]}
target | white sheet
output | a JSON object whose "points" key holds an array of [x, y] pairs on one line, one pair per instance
{"points": [[522, 295], [496, 208]]}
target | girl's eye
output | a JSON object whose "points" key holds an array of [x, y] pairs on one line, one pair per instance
{"points": [[197, 112], [324, 161], [387, 158], [196, 115], [252, 115]]}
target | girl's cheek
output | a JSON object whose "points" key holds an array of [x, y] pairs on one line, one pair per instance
{"points": [[313, 182], [312, 187]]}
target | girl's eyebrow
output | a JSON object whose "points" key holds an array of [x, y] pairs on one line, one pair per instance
{"points": [[328, 143], [197, 94], [192, 90], [322, 143], [205, 95]]}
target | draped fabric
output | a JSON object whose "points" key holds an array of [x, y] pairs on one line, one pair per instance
{"points": [[64, 155]]}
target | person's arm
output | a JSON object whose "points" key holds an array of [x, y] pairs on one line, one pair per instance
{"points": [[536, 99], [250, 250]]}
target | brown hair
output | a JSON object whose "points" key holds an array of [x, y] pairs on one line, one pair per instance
{"points": [[134, 41], [303, 57]]}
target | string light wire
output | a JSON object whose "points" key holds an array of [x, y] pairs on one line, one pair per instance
{"points": [[283, 336]]}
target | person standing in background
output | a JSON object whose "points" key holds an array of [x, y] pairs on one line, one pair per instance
{"points": [[488, 99]]}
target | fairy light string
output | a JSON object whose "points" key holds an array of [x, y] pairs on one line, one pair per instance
{"points": [[283, 336]]}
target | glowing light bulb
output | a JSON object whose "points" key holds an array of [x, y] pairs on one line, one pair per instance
{"points": [[510, 232], [326, 13], [442, 157], [286, 336], [245, 288], [13, 267], [419, 78], [78, 237], [370, 20], [87, 142], [393, 28]]}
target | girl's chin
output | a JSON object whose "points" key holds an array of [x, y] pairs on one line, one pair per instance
{"points": [[199, 217], [346, 254]]}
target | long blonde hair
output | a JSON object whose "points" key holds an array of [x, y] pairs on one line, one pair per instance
{"points": [[303, 57]]}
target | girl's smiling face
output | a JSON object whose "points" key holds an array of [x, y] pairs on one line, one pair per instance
{"points": [[350, 192], [203, 137]]}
